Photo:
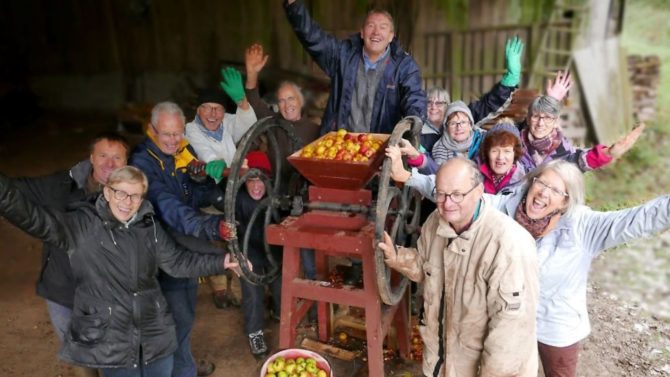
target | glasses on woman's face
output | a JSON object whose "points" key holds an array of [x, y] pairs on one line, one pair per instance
{"points": [[121, 195], [542, 185], [547, 119], [454, 124], [456, 197], [436, 103]]}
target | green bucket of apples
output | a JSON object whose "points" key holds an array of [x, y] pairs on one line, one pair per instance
{"points": [[295, 362]]}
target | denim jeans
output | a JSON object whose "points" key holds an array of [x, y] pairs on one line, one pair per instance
{"points": [[60, 318], [182, 300], [253, 303], [158, 368]]}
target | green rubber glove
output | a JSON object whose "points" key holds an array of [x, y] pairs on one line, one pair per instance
{"points": [[513, 51], [215, 169], [231, 83]]}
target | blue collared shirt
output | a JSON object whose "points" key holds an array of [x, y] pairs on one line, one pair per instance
{"points": [[370, 65]]}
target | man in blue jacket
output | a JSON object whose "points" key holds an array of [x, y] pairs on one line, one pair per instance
{"points": [[374, 82], [164, 156]]}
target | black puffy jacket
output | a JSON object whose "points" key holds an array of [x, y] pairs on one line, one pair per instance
{"points": [[57, 191], [118, 304]]}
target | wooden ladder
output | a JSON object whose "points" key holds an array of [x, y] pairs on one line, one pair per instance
{"points": [[555, 49]]}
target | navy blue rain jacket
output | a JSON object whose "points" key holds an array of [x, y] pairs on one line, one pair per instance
{"points": [[399, 93]]}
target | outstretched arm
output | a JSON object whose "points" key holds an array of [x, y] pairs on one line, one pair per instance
{"points": [[405, 260], [39, 222], [603, 230], [624, 144], [321, 46]]}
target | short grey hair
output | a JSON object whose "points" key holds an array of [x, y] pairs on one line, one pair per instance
{"points": [[571, 176], [129, 174], [439, 93], [166, 107], [545, 104], [295, 87]]}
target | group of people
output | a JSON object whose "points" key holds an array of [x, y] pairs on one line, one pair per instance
{"points": [[503, 260]]}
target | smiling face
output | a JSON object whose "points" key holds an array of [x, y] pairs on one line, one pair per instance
{"points": [[453, 177], [459, 127], [124, 209], [169, 132], [290, 103], [547, 194], [106, 157], [541, 124], [501, 159], [436, 111], [211, 114], [377, 33], [255, 188]]}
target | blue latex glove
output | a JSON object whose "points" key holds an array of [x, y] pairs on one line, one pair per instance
{"points": [[513, 52], [215, 169], [231, 83]]}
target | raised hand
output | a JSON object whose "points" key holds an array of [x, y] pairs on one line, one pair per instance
{"points": [[254, 59], [513, 52], [560, 86], [624, 144], [231, 83]]}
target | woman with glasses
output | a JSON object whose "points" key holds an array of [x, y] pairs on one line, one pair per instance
{"points": [[543, 140], [461, 135], [120, 320], [568, 234]]}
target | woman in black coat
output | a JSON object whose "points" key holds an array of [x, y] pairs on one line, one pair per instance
{"points": [[120, 321]]}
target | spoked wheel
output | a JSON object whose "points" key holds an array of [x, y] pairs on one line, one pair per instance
{"points": [[279, 139], [397, 212]]}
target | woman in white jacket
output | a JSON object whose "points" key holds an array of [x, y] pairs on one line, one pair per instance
{"points": [[550, 205]]}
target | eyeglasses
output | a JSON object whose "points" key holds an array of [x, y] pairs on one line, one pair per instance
{"points": [[171, 135], [210, 108], [456, 197], [121, 195], [548, 120], [462, 123], [436, 103], [543, 185]]}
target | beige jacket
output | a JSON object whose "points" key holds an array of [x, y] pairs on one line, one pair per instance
{"points": [[489, 278]]}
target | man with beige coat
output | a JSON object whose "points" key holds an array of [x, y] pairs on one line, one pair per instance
{"points": [[479, 271]]}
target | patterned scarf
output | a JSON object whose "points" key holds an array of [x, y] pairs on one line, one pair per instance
{"points": [[447, 148], [539, 149], [534, 226]]}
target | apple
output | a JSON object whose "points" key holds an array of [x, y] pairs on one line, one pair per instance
{"points": [[362, 137], [282, 373], [311, 368], [348, 137], [341, 132], [321, 373], [290, 368], [368, 153]]}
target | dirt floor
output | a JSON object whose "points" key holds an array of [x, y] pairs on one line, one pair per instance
{"points": [[626, 341]]}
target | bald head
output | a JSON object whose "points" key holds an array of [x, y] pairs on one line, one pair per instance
{"points": [[458, 189]]}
